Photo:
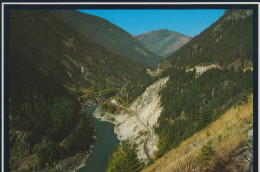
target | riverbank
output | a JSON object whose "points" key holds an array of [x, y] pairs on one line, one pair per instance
{"points": [[72, 163], [127, 126], [130, 126], [104, 145], [104, 116], [29, 161], [77, 161]]}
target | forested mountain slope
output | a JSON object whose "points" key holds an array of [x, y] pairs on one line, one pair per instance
{"points": [[225, 145], [227, 42], [193, 99], [163, 42], [51, 65], [190, 103], [109, 36]]}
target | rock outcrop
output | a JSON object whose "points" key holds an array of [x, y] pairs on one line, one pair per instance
{"points": [[137, 122]]}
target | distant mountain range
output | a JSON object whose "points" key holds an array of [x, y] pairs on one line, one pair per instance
{"points": [[108, 36], [163, 42]]}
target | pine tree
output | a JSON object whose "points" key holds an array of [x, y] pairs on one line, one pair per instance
{"points": [[125, 159]]}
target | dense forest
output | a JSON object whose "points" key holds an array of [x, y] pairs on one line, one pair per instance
{"points": [[229, 41], [50, 44], [47, 113], [135, 86], [190, 103], [53, 69]]}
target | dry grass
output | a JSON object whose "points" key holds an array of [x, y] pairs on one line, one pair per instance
{"points": [[227, 135]]}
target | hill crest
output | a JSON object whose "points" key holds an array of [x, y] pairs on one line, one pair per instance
{"points": [[163, 41], [108, 35]]}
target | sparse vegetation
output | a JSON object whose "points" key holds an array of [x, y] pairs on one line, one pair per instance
{"points": [[163, 41]]}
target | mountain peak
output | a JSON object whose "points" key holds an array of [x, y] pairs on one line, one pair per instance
{"points": [[163, 41], [237, 14], [164, 30], [161, 31]]}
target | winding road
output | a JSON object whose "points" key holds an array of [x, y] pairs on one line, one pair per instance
{"points": [[148, 130]]}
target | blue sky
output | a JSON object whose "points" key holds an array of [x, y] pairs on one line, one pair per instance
{"points": [[188, 22]]}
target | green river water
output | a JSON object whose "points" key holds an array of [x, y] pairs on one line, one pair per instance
{"points": [[103, 147]]}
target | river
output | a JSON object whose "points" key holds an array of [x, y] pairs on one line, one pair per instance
{"points": [[103, 147]]}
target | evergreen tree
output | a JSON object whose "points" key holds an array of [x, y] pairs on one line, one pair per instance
{"points": [[125, 159]]}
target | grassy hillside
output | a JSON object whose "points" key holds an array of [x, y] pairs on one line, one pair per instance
{"points": [[51, 65], [109, 36], [227, 137], [229, 41], [163, 42]]}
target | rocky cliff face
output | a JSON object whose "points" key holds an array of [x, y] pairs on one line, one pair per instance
{"points": [[136, 122]]}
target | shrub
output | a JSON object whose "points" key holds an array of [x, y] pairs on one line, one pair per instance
{"points": [[219, 138], [204, 155]]}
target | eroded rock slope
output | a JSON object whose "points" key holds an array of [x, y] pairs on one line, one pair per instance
{"points": [[136, 122]]}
